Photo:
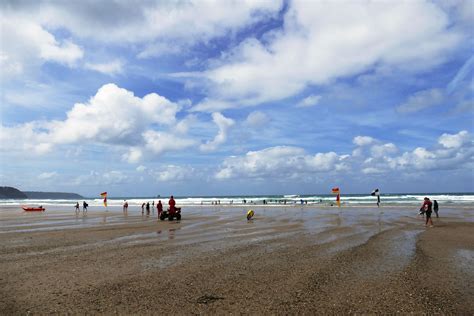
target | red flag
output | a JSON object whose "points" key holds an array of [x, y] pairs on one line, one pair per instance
{"points": [[338, 197], [104, 195]]}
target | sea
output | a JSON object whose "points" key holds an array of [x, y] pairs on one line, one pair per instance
{"points": [[447, 199]]}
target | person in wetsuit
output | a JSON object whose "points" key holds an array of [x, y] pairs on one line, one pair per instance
{"points": [[435, 208]]}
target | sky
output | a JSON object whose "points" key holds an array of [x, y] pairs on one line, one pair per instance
{"points": [[201, 97]]}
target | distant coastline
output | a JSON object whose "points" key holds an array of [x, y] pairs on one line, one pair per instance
{"points": [[14, 193]]}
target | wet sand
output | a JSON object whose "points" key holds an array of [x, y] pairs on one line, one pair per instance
{"points": [[288, 260]]}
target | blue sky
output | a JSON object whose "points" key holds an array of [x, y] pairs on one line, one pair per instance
{"points": [[233, 97]]}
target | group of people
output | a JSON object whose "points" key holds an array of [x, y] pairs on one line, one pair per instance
{"points": [[159, 206], [84, 207], [427, 208], [145, 206]]}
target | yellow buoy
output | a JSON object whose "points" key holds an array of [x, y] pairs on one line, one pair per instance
{"points": [[250, 214]]}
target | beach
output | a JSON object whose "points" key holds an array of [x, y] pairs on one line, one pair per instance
{"points": [[287, 260]]}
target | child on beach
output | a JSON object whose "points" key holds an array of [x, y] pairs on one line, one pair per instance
{"points": [[435, 208], [77, 207]]}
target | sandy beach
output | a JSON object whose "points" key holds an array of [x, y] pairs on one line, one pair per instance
{"points": [[288, 260]]}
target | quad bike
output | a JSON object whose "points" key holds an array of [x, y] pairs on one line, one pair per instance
{"points": [[171, 215]]}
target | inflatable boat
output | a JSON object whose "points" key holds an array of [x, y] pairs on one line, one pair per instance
{"points": [[33, 209]]}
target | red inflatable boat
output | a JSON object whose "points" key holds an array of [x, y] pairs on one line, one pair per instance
{"points": [[33, 209]]}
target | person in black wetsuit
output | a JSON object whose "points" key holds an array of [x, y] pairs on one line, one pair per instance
{"points": [[435, 208]]}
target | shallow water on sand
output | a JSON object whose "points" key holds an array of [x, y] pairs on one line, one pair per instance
{"points": [[230, 219]]}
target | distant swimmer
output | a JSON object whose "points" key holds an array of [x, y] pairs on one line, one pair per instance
{"points": [[250, 214]]}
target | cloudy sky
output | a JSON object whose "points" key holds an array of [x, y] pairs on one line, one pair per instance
{"points": [[224, 97]]}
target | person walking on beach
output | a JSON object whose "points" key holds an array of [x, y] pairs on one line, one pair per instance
{"points": [[77, 207], [427, 205], [147, 208], [143, 208], [435, 208], [125, 206], [159, 208], [84, 207]]}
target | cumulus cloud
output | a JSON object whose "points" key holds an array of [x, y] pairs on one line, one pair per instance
{"points": [[383, 150], [421, 100], [375, 158], [277, 162], [321, 42], [114, 116], [223, 123], [454, 141], [363, 140]]}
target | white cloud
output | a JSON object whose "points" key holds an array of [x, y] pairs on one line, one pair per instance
{"points": [[383, 150], [363, 140], [278, 162], [173, 173], [113, 67], [133, 155], [421, 100], [114, 115], [223, 123], [311, 100], [161, 142], [293, 162], [26, 45], [454, 141], [153, 23], [321, 42]]}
